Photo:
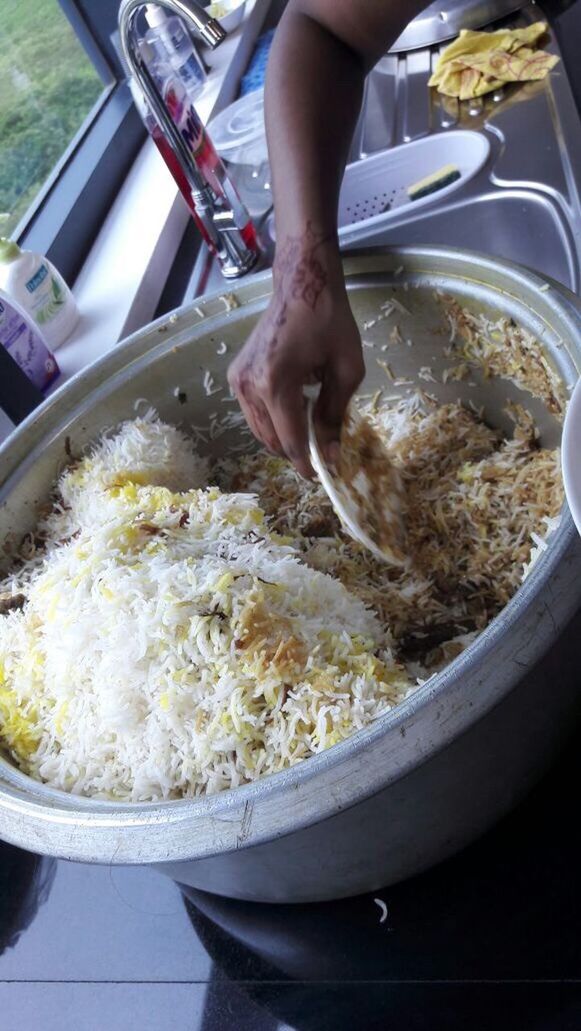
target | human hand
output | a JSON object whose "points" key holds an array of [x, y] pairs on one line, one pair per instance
{"points": [[306, 335]]}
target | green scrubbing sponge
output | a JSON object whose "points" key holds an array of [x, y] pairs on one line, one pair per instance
{"points": [[443, 177]]}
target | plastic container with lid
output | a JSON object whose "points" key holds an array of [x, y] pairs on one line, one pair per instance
{"points": [[239, 135]]}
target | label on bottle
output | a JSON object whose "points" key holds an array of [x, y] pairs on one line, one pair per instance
{"points": [[188, 123], [27, 347], [192, 131], [210, 165], [48, 298], [38, 278], [190, 73]]}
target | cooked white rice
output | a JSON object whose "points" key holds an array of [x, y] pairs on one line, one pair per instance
{"points": [[163, 638], [170, 643]]}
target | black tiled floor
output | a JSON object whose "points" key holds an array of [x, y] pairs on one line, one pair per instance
{"points": [[490, 939]]}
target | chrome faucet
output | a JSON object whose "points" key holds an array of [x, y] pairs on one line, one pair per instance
{"points": [[235, 257]]}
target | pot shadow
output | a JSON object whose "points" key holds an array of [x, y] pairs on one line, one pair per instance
{"points": [[490, 936], [25, 883]]}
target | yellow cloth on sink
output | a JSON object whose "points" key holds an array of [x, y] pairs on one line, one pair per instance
{"points": [[478, 62]]}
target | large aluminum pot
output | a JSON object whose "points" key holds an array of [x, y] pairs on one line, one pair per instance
{"points": [[431, 775]]}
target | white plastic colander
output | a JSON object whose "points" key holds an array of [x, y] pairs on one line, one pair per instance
{"points": [[375, 188]]}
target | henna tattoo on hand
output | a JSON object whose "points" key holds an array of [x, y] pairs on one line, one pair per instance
{"points": [[300, 277], [299, 274]]}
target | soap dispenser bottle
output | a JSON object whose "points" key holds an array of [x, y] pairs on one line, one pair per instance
{"points": [[37, 286]]}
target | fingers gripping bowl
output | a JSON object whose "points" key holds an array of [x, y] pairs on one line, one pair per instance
{"points": [[431, 773]]}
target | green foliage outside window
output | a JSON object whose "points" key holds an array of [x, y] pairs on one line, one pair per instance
{"points": [[47, 88]]}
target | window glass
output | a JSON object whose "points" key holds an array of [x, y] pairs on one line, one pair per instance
{"points": [[48, 87]]}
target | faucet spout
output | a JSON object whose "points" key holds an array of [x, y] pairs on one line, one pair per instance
{"points": [[193, 13], [227, 239]]}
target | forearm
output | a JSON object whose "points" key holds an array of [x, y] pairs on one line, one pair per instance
{"points": [[316, 72], [322, 51], [313, 96]]}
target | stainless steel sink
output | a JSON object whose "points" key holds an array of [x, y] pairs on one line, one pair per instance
{"points": [[525, 202], [518, 224]]}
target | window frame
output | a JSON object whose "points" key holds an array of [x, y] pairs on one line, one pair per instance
{"points": [[67, 214]]}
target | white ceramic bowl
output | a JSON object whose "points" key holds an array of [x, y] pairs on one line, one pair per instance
{"points": [[234, 13], [571, 455]]}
